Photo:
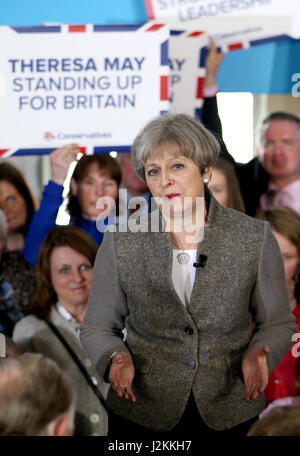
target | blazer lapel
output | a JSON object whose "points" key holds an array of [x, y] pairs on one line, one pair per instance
{"points": [[206, 247]]}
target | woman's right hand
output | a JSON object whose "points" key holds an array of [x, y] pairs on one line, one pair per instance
{"points": [[60, 162], [121, 375]]}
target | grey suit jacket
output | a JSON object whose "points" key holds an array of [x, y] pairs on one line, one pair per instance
{"points": [[199, 348], [33, 335]]}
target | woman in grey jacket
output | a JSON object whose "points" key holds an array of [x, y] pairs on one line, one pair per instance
{"points": [[64, 273], [186, 282]]}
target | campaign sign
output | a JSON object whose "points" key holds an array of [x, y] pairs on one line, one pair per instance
{"points": [[187, 71], [182, 11], [93, 85], [188, 48], [238, 33]]}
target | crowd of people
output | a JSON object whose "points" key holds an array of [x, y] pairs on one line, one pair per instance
{"points": [[110, 326]]}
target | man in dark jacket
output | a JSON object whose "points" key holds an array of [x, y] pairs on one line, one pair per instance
{"points": [[272, 178]]}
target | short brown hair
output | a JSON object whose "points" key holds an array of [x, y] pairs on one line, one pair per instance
{"points": [[72, 236], [105, 163], [13, 176], [278, 116]]}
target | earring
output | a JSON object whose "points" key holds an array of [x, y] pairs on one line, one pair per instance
{"points": [[205, 181]]}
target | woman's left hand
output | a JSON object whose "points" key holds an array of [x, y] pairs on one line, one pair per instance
{"points": [[121, 375], [255, 372]]}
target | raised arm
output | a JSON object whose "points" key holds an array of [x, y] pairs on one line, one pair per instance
{"points": [[45, 217], [210, 114]]}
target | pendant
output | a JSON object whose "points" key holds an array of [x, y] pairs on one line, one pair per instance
{"points": [[183, 258]]}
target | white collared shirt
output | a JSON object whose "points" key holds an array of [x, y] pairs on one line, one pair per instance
{"points": [[286, 196], [65, 313], [183, 275]]}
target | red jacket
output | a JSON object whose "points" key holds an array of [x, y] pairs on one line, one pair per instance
{"points": [[282, 382]]}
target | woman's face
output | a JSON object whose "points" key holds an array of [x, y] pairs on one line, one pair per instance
{"points": [[289, 253], [95, 184], [172, 178], [13, 206], [218, 186], [71, 275]]}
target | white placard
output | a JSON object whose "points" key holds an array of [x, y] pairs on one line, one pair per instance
{"points": [[93, 85], [188, 47], [239, 32], [187, 72], [182, 11]]}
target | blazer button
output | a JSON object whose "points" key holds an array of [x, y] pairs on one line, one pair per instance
{"points": [[191, 365], [95, 418], [188, 330], [87, 362]]}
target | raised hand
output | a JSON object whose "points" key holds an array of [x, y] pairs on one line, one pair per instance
{"points": [[212, 64], [60, 161]]}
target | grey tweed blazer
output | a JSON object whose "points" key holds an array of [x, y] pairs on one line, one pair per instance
{"points": [[199, 348], [33, 335]]}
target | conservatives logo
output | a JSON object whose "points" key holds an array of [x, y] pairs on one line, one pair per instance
{"points": [[48, 136]]}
